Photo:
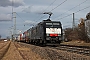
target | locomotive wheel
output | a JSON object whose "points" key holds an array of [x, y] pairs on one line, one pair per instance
{"points": [[38, 42], [43, 43]]}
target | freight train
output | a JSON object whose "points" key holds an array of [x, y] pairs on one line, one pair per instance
{"points": [[45, 32]]}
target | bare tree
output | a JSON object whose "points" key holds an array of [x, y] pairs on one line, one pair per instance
{"points": [[82, 31], [78, 33]]}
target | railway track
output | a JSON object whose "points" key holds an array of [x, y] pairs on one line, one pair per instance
{"points": [[4, 49], [31, 52], [25, 51], [62, 52], [84, 50], [18, 46], [2, 44]]}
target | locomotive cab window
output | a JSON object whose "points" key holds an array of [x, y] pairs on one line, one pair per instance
{"points": [[53, 25]]}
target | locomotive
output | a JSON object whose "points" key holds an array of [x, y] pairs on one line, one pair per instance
{"points": [[45, 32]]}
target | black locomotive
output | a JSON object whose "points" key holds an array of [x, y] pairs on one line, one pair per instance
{"points": [[45, 32]]}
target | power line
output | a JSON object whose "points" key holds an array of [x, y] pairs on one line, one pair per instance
{"points": [[74, 7], [55, 7], [78, 5], [59, 5], [64, 16], [19, 16], [75, 12], [82, 9], [50, 4], [44, 10], [21, 19]]}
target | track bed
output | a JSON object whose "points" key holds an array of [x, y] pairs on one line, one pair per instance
{"points": [[23, 51]]}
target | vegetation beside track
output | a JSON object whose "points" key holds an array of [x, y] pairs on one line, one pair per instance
{"points": [[76, 43]]}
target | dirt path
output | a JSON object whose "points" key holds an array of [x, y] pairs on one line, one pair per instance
{"points": [[12, 53], [3, 48], [17, 52]]}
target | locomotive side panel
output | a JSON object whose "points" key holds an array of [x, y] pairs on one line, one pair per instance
{"points": [[40, 32], [37, 34]]}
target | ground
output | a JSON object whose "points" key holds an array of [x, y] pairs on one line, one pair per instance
{"points": [[21, 51]]}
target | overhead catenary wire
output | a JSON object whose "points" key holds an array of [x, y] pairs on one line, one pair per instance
{"points": [[21, 19], [74, 7], [65, 16], [50, 4], [55, 8], [19, 16], [74, 12], [82, 9], [44, 10], [68, 10], [48, 7], [59, 5]]}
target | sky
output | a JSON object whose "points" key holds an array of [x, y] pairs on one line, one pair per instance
{"points": [[30, 12]]}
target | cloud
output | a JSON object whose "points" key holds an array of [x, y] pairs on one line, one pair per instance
{"points": [[16, 3], [5, 10], [37, 9], [5, 17], [27, 9]]}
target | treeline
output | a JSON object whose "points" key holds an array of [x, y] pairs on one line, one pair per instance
{"points": [[79, 32]]}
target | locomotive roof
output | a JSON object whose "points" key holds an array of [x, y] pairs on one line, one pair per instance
{"points": [[48, 20], [45, 21]]}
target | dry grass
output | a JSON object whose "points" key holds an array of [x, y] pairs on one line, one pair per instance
{"points": [[76, 43]]}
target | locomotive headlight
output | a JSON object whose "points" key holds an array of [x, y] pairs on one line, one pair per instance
{"points": [[47, 34], [59, 34]]}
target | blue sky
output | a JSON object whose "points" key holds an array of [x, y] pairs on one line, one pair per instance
{"points": [[29, 13]]}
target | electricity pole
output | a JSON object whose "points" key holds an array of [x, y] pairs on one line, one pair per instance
{"points": [[14, 19], [73, 24]]}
